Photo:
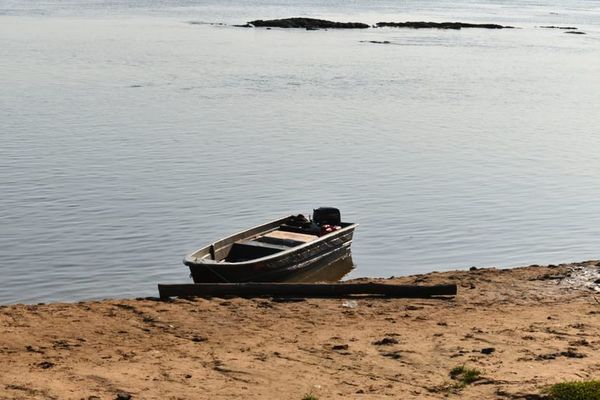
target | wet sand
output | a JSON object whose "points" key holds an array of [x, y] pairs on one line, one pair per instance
{"points": [[523, 328]]}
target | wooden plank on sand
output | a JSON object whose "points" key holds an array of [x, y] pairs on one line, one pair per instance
{"points": [[304, 290]]}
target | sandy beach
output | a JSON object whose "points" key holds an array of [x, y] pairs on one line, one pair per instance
{"points": [[522, 328]]}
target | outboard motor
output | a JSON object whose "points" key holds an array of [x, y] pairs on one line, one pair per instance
{"points": [[327, 216]]}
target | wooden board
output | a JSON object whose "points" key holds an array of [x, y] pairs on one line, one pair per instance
{"points": [[305, 290], [297, 237]]}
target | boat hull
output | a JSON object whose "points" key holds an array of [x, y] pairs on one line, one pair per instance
{"points": [[279, 267]]}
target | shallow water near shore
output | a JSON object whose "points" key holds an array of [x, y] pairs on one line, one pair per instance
{"points": [[130, 136]]}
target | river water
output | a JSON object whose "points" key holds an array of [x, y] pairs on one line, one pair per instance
{"points": [[132, 133]]}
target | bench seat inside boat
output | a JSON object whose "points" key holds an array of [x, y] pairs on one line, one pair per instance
{"points": [[280, 247], [285, 238]]}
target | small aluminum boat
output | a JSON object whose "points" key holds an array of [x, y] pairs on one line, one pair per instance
{"points": [[275, 251]]}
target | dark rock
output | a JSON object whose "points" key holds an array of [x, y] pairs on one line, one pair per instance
{"points": [[386, 341], [395, 355], [197, 23], [46, 364], [559, 27], [377, 42], [264, 304], [63, 345], [306, 23], [198, 339], [32, 349], [488, 350], [439, 25], [243, 26], [571, 353], [580, 342], [575, 32], [597, 281], [123, 396], [126, 307], [339, 347], [473, 269]]}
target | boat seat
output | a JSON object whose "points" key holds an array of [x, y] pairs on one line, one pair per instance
{"points": [[288, 239], [266, 244], [294, 236]]}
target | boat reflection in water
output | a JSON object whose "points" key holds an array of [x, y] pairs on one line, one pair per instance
{"points": [[325, 272]]}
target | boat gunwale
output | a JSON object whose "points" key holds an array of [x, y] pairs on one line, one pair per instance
{"points": [[189, 262]]}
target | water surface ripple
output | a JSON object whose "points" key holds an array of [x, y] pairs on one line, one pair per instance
{"points": [[129, 137]]}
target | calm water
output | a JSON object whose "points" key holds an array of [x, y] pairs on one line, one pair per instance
{"points": [[129, 136]]}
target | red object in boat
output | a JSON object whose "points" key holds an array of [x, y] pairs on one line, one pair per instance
{"points": [[325, 229]]}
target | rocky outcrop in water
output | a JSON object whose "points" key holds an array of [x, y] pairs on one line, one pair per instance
{"points": [[376, 41], [575, 32], [311, 24], [306, 23], [439, 25], [571, 28]]}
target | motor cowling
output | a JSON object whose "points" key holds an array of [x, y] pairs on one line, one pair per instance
{"points": [[327, 216]]}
